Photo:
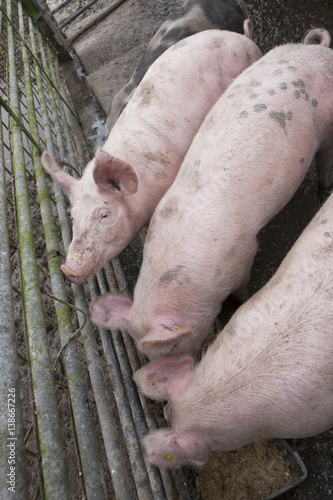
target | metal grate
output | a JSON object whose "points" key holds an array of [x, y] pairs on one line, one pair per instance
{"points": [[70, 426]]}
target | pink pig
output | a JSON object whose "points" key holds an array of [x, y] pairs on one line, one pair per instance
{"points": [[269, 373], [122, 184], [247, 160]]}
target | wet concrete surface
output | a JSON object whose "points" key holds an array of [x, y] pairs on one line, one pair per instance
{"points": [[109, 54]]}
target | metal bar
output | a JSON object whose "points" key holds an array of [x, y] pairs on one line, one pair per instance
{"points": [[52, 453], [94, 21], [85, 431], [60, 6], [115, 457], [118, 352], [12, 454], [77, 14], [2, 9]]}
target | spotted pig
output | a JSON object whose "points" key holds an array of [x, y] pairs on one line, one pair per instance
{"points": [[248, 158], [194, 16]]}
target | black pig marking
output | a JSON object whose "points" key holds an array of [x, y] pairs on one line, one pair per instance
{"points": [[270, 91], [283, 86], [253, 96], [297, 94], [279, 117], [171, 274], [289, 115], [258, 108], [170, 208], [292, 68], [277, 72], [255, 84], [314, 103], [283, 61], [306, 97], [301, 161], [244, 114], [299, 83]]}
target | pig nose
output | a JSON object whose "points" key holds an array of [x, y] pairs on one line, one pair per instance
{"points": [[71, 275]]}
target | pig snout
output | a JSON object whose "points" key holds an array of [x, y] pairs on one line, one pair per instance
{"points": [[70, 270], [318, 36]]}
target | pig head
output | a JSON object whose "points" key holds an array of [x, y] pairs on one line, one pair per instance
{"points": [[101, 196]]}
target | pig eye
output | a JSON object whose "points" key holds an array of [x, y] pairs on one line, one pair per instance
{"points": [[104, 215]]}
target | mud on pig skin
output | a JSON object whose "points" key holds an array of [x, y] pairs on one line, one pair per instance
{"points": [[122, 184], [245, 163], [194, 16], [269, 373]]}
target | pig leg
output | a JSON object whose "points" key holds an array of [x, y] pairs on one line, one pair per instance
{"points": [[167, 448]]}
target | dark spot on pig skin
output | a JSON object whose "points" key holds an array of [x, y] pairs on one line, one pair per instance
{"points": [[283, 61], [171, 274], [314, 103], [237, 86], [277, 72], [301, 161], [279, 117], [306, 97], [160, 175], [253, 96], [255, 84], [297, 94], [270, 91], [169, 209], [283, 86], [259, 107], [292, 68], [328, 235], [299, 83], [197, 163], [289, 115], [324, 221], [244, 114]]}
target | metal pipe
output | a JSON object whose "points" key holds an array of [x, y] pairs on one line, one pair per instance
{"points": [[77, 14], [12, 453], [52, 453]]}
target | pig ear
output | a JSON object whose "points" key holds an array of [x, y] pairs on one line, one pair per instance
{"points": [[66, 181], [161, 338], [113, 175], [167, 448], [248, 28], [158, 380], [111, 310]]}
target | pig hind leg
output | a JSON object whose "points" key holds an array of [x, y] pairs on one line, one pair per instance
{"points": [[167, 448]]}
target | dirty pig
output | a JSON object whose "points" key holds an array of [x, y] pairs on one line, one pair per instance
{"points": [[245, 163], [269, 373], [121, 186], [194, 16]]}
